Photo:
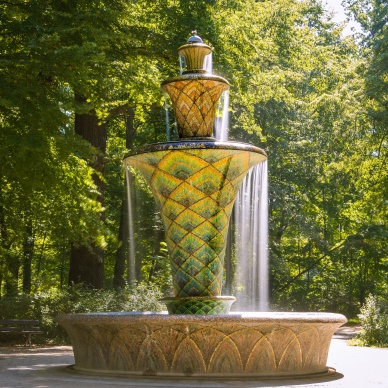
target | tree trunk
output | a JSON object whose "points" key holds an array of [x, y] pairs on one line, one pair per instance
{"points": [[28, 252], [87, 266], [12, 278], [9, 264], [87, 262]]}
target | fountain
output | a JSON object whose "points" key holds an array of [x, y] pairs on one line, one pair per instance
{"points": [[195, 181]]}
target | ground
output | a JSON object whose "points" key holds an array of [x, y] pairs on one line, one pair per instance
{"points": [[46, 367]]}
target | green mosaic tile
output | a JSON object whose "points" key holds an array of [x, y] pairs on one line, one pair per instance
{"points": [[171, 209], [215, 267], [224, 196], [174, 267], [179, 165], [208, 180], [170, 244], [200, 306], [186, 194], [192, 266], [238, 165], [164, 183], [189, 220], [217, 243], [212, 157], [208, 278], [191, 243], [166, 223], [179, 255], [183, 279], [189, 286], [205, 254], [205, 231], [176, 233], [220, 220], [206, 207], [228, 209]]}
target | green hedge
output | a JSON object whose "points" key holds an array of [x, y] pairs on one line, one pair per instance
{"points": [[374, 322], [46, 306]]}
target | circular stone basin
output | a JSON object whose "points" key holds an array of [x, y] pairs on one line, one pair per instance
{"points": [[236, 345]]}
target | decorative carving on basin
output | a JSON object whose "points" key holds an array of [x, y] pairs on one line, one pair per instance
{"points": [[233, 345]]}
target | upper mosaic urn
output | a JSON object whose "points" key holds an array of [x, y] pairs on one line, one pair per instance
{"points": [[195, 181], [195, 93]]}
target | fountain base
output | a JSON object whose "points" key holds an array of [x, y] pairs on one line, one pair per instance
{"points": [[204, 305], [237, 345]]}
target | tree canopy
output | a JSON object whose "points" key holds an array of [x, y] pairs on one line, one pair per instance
{"points": [[80, 85]]}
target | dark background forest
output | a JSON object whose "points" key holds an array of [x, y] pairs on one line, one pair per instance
{"points": [[80, 87]]}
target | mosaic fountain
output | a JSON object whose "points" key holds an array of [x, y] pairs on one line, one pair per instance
{"points": [[194, 182]]}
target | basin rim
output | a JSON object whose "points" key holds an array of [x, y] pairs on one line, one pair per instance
{"points": [[281, 318], [196, 143]]}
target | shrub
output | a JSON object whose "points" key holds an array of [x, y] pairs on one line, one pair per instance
{"points": [[45, 306], [374, 323]]}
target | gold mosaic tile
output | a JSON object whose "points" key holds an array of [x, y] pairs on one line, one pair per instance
{"points": [[195, 101]]}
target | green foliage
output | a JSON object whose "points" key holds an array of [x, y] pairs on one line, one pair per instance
{"points": [[156, 268], [374, 322], [45, 306], [314, 100]]}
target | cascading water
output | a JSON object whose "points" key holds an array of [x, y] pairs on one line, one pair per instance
{"points": [[168, 129], [221, 123], [131, 273], [251, 240], [250, 228], [208, 63]]}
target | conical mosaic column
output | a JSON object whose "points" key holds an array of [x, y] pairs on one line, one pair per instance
{"points": [[195, 182]]}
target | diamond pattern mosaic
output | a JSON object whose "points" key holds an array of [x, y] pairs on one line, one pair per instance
{"points": [[199, 306], [196, 189], [195, 102]]}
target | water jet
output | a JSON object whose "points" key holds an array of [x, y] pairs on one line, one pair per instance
{"points": [[195, 181]]}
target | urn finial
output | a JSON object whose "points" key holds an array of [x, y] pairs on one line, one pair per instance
{"points": [[194, 38], [194, 52]]}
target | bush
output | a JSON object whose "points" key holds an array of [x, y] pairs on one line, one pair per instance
{"points": [[45, 306], [374, 323]]}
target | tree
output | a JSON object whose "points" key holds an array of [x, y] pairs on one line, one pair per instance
{"points": [[80, 84]]}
